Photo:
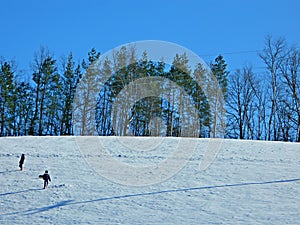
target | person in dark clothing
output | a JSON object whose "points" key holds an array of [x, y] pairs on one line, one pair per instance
{"points": [[46, 178], [21, 162]]}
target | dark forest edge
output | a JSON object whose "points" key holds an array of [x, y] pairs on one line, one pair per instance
{"points": [[258, 106]]}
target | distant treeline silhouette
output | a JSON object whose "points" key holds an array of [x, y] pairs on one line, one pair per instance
{"points": [[264, 106]]}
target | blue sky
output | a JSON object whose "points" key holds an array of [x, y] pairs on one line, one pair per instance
{"points": [[208, 28]]}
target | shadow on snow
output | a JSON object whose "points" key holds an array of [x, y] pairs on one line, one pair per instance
{"points": [[187, 189], [8, 171], [18, 192], [72, 202]]}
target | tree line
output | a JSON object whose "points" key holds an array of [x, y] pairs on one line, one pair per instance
{"points": [[43, 105], [266, 106], [142, 97], [258, 106]]}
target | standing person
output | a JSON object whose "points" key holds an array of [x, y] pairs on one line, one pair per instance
{"points": [[21, 162], [46, 178]]}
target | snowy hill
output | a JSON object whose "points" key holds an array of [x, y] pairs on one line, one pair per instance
{"points": [[248, 182]]}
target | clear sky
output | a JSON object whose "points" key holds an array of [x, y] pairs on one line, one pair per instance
{"points": [[208, 28]]}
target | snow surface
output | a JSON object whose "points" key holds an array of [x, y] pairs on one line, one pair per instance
{"points": [[249, 182]]}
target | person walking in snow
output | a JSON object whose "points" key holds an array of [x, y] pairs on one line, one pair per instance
{"points": [[46, 178], [21, 162]]}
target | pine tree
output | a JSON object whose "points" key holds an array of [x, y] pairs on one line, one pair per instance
{"points": [[70, 78], [217, 98], [219, 70], [86, 96], [46, 91], [24, 107], [7, 99], [103, 109]]}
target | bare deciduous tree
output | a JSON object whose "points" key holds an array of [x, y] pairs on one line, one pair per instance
{"points": [[273, 55]]}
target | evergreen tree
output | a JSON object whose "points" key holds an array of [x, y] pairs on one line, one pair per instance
{"points": [[190, 91], [46, 91], [7, 99], [103, 109], [86, 96], [219, 70], [24, 107], [70, 79], [217, 99]]}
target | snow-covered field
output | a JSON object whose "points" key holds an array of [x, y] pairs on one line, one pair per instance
{"points": [[249, 182]]}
